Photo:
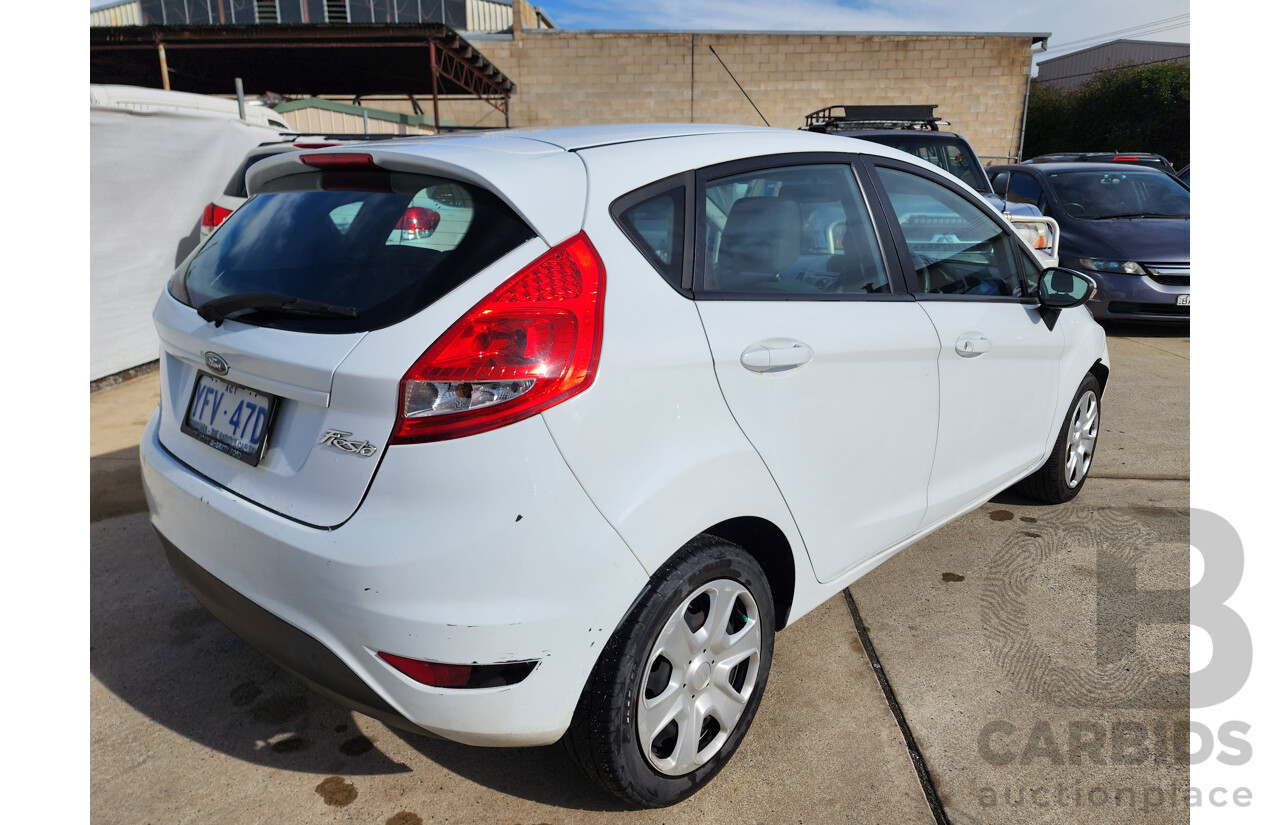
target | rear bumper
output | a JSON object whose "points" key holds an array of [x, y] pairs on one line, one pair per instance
{"points": [[475, 551], [309, 661]]}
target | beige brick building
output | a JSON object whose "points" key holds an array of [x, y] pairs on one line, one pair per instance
{"points": [[567, 77]]}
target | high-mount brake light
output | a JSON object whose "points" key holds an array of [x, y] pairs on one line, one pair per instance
{"points": [[530, 344], [313, 145], [213, 216], [339, 160], [1124, 159]]}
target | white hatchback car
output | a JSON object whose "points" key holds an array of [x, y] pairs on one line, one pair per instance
{"points": [[664, 390]]}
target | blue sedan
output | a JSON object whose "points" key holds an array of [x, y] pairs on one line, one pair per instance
{"points": [[1129, 227]]}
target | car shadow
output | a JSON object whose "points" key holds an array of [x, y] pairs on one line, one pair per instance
{"points": [[154, 647], [1143, 329]]}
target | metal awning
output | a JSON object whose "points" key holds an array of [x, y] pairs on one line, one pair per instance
{"points": [[415, 59]]}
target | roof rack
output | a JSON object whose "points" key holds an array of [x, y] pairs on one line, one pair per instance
{"points": [[841, 118]]}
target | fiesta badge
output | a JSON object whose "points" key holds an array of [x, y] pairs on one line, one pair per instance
{"points": [[341, 440]]}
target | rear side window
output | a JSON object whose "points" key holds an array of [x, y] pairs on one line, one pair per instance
{"points": [[385, 245], [656, 227], [803, 230]]}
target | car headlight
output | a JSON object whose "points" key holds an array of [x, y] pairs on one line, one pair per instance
{"points": [[1118, 267]]}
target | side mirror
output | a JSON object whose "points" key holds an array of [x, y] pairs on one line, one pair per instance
{"points": [[1000, 183], [1061, 289], [1064, 288]]}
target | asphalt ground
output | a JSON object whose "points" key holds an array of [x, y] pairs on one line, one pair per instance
{"points": [[980, 676]]}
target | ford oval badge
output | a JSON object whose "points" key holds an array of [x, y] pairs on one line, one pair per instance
{"points": [[215, 362]]}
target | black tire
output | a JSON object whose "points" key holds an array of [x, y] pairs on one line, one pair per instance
{"points": [[1053, 482], [605, 739]]}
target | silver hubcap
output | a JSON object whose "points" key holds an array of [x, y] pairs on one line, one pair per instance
{"points": [[1081, 438], [700, 674]]}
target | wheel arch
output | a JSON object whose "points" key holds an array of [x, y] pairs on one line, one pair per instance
{"points": [[1100, 371], [767, 544]]}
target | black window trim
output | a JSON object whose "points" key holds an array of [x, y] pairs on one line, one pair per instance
{"points": [[897, 283], [651, 190], [900, 240]]}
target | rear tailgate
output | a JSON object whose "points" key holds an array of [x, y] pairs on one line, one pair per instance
{"points": [[346, 385], [334, 380]]}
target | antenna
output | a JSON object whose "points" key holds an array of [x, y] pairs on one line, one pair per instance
{"points": [[739, 85]]}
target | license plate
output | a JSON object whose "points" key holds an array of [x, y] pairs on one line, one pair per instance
{"points": [[229, 418], [1184, 300]]}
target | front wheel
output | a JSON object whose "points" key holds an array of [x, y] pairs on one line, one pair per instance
{"points": [[679, 682], [1067, 469]]}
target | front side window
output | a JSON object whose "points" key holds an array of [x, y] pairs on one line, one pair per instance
{"points": [[803, 230], [1025, 189], [956, 248]]}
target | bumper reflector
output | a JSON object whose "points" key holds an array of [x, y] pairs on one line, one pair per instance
{"points": [[436, 674]]}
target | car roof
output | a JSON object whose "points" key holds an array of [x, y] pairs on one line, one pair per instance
{"points": [[1044, 158], [542, 173], [1074, 166]]}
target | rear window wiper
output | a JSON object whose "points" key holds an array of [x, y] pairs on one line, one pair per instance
{"points": [[221, 308]]}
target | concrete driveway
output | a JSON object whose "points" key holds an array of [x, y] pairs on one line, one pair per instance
{"points": [[980, 676]]}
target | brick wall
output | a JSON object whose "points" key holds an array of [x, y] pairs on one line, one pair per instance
{"points": [[569, 77]]}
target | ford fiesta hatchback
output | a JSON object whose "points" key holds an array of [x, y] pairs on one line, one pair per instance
{"points": [[519, 437]]}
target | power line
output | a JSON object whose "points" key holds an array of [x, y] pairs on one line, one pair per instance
{"points": [[1175, 22], [1169, 22]]}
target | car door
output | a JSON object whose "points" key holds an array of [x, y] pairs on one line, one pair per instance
{"points": [[829, 368], [999, 361]]}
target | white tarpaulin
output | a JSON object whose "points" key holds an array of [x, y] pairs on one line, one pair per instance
{"points": [[151, 174]]}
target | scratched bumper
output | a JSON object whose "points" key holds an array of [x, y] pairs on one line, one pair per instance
{"points": [[449, 559]]}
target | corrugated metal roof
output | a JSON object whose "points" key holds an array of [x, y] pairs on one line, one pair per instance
{"points": [[1077, 67]]}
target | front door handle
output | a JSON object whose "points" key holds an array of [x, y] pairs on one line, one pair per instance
{"points": [[776, 355], [972, 344]]}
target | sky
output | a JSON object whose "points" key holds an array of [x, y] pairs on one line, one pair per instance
{"points": [[1073, 26]]}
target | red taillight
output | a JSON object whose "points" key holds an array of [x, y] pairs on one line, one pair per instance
{"points": [[417, 222], [532, 343], [429, 673], [339, 160], [213, 216]]}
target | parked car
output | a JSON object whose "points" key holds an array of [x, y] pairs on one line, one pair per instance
{"points": [[1184, 175], [1129, 227], [1137, 158], [668, 390], [914, 130]]}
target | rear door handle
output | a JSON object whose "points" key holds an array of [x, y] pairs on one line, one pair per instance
{"points": [[972, 344], [776, 355]]}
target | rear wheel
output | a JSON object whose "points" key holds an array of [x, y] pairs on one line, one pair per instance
{"points": [[680, 681], [1067, 469]]}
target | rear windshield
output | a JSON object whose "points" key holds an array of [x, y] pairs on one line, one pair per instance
{"points": [[383, 245]]}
